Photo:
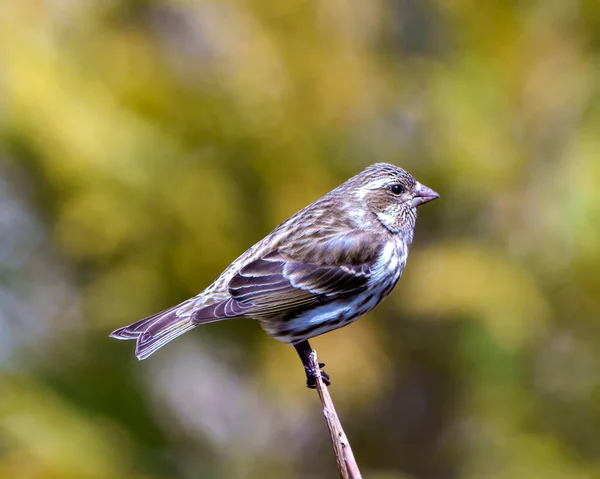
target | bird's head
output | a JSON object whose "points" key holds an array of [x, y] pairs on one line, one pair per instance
{"points": [[392, 195]]}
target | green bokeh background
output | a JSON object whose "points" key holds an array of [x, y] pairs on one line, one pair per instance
{"points": [[144, 145]]}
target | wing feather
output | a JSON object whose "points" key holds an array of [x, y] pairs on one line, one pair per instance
{"points": [[283, 281], [297, 276]]}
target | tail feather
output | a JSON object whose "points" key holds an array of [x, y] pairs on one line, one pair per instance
{"points": [[155, 331], [148, 342]]}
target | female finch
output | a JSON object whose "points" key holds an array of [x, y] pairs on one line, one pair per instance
{"points": [[321, 269]]}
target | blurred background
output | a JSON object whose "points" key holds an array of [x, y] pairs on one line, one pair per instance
{"points": [[146, 144]]}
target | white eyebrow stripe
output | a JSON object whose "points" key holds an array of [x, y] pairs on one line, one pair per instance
{"points": [[372, 185]]}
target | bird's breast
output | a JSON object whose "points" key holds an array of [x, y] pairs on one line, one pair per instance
{"points": [[389, 265]]}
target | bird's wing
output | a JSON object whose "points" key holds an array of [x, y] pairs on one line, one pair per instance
{"points": [[300, 274], [275, 284]]}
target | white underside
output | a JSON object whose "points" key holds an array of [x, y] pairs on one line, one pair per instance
{"points": [[344, 311]]}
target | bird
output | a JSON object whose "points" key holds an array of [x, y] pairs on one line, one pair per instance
{"points": [[321, 269]]}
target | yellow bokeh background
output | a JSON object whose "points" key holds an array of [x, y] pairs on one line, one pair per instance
{"points": [[146, 144]]}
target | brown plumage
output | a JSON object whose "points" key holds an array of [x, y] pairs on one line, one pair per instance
{"points": [[319, 270]]}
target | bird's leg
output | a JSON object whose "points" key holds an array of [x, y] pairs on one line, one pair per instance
{"points": [[304, 350]]}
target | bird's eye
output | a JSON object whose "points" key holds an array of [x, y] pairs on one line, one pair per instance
{"points": [[397, 189]]}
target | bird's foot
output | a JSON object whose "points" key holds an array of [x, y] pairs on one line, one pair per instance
{"points": [[311, 376]]}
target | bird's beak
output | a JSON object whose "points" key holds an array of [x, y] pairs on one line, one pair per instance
{"points": [[423, 195]]}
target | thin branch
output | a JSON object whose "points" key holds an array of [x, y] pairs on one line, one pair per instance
{"points": [[341, 446]]}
